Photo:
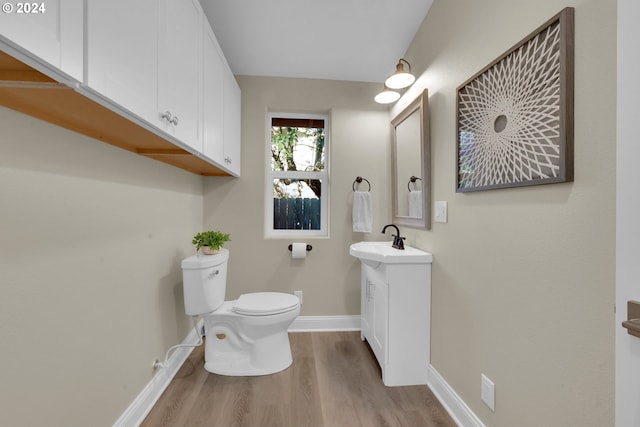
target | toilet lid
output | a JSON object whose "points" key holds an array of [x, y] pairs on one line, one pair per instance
{"points": [[265, 303]]}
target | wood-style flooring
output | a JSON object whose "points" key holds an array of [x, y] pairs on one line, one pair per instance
{"points": [[334, 381]]}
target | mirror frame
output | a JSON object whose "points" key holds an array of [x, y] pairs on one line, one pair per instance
{"points": [[421, 104]]}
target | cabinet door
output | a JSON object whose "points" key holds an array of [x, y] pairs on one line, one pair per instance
{"points": [[375, 311], [212, 105], [50, 31], [122, 54], [380, 319], [366, 307], [232, 122], [180, 69]]}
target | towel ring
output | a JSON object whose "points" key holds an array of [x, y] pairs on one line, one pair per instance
{"points": [[412, 179], [359, 179]]}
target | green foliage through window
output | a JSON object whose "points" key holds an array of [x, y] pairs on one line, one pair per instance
{"points": [[298, 176]]}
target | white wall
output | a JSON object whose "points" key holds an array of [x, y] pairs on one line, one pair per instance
{"points": [[360, 145], [628, 207], [523, 278], [91, 239]]}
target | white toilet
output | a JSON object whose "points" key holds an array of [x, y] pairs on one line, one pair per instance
{"points": [[245, 337]]}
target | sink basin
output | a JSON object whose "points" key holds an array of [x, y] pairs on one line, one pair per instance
{"points": [[374, 253]]}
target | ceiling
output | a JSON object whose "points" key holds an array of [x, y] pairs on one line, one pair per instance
{"points": [[356, 40]]}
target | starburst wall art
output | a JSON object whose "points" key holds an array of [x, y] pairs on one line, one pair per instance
{"points": [[515, 117]]}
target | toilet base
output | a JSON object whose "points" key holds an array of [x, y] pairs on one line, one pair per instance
{"points": [[268, 355]]}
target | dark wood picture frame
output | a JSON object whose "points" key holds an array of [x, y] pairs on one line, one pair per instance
{"points": [[515, 116]]}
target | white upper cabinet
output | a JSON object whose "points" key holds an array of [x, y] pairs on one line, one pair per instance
{"points": [[212, 92], [180, 70], [49, 32], [153, 63], [145, 56], [122, 54], [232, 122], [221, 107]]}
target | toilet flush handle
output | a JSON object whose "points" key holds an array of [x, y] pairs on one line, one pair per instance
{"points": [[214, 273]]}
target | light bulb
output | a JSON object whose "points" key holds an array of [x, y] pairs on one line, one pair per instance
{"points": [[401, 78], [387, 96]]}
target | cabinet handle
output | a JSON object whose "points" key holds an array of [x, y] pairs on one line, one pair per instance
{"points": [[168, 117], [633, 318]]}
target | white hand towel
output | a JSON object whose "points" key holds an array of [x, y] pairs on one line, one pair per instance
{"points": [[415, 204], [362, 212]]}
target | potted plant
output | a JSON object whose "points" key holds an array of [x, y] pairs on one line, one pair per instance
{"points": [[210, 241]]}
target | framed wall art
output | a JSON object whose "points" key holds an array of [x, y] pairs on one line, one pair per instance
{"points": [[515, 116]]}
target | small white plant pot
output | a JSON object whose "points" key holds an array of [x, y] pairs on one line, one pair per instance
{"points": [[208, 251]]}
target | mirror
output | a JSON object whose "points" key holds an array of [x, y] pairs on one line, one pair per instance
{"points": [[411, 165]]}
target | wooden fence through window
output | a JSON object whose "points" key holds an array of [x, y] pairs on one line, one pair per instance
{"points": [[296, 214]]}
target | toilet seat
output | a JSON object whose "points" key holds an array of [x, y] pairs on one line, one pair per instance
{"points": [[265, 303]]}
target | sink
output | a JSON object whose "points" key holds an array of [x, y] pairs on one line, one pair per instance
{"points": [[374, 253]]}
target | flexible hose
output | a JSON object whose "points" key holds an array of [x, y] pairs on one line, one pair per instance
{"points": [[164, 364]]}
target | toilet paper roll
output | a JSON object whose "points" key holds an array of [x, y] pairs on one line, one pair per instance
{"points": [[298, 250]]}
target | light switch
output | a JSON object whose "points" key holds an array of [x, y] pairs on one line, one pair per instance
{"points": [[441, 211]]}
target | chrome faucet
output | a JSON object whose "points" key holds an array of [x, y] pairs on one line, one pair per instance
{"points": [[398, 242]]}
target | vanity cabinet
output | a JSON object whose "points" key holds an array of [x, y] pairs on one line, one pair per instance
{"points": [[395, 319], [51, 32]]}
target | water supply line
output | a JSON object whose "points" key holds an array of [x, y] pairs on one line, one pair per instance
{"points": [[157, 364]]}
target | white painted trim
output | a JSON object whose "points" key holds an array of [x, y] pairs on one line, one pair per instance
{"points": [[325, 323], [324, 176], [144, 402], [627, 347], [455, 406]]}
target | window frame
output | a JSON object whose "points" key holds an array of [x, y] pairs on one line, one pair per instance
{"points": [[323, 176]]}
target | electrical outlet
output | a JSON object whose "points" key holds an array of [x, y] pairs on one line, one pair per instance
{"points": [[299, 295], [488, 392]]}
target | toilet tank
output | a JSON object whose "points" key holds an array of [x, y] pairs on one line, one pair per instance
{"points": [[204, 282]]}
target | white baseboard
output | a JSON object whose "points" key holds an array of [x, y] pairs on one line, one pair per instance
{"points": [[144, 402], [455, 406], [459, 411], [325, 323]]}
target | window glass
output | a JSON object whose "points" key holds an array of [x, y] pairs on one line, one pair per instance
{"points": [[296, 204], [296, 197], [297, 148]]}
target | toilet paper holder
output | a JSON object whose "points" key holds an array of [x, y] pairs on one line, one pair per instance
{"points": [[309, 247]]}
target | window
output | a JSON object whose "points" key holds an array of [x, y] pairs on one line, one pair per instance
{"points": [[297, 183]]}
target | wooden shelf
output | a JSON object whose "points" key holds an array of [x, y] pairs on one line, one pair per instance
{"points": [[30, 92]]}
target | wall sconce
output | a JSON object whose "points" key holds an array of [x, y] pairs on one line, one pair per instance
{"points": [[401, 78], [387, 96]]}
